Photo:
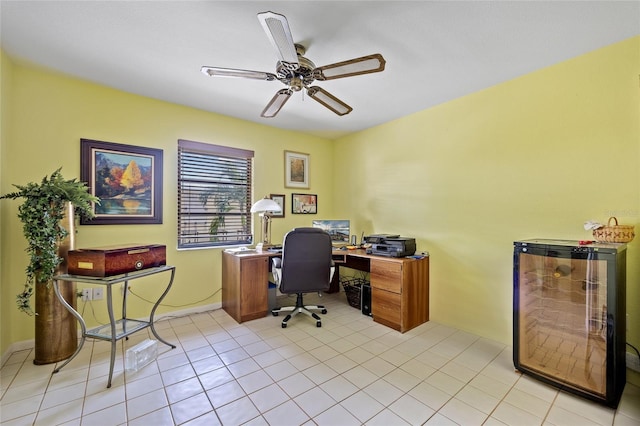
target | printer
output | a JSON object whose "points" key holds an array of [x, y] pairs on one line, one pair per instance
{"points": [[391, 245]]}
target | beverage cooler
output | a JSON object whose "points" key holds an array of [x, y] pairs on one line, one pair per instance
{"points": [[569, 316]]}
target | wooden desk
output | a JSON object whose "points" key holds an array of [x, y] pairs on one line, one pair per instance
{"points": [[399, 286], [245, 279]]}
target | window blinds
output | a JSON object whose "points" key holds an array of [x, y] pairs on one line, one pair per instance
{"points": [[214, 195]]}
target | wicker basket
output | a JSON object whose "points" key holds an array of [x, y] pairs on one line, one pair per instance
{"points": [[614, 233], [353, 288]]}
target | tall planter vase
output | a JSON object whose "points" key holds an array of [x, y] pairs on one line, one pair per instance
{"points": [[56, 333]]}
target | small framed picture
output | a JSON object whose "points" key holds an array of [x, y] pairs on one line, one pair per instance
{"points": [[296, 170], [278, 198], [304, 203]]}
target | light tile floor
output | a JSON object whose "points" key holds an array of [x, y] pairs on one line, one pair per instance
{"points": [[351, 371]]}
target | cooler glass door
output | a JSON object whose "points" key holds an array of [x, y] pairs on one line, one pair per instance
{"points": [[561, 306]]}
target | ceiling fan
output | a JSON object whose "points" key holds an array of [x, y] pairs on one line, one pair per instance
{"points": [[297, 72]]}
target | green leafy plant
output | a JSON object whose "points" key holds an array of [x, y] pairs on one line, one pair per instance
{"points": [[41, 213], [225, 198]]}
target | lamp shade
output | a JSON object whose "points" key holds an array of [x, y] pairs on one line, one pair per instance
{"points": [[265, 205]]}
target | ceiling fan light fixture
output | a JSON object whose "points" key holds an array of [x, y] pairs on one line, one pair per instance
{"points": [[328, 100], [358, 66], [297, 72], [296, 84], [237, 73], [276, 103]]}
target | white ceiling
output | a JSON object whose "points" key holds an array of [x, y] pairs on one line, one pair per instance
{"points": [[435, 51]]}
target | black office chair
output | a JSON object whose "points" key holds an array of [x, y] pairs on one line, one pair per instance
{"points": [[305, 267]]}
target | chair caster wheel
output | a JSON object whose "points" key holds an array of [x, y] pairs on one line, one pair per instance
{"points": [[275, 314], [284, 325], [318, 324], [324, 311]]}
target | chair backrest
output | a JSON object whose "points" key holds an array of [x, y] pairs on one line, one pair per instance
{"points": [[306, 261]]}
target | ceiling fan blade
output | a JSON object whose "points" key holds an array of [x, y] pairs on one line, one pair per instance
{"points": [[232, 72], [357, 66], [276, 103], [277, 29], [328, 100]]}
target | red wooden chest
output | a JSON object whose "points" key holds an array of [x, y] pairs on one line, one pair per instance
{"points": [[115, 260]]}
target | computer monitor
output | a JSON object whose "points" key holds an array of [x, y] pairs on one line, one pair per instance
{"points": [[339, 230]]}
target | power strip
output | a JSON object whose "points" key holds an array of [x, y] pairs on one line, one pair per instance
{"points": [[633, 362]]}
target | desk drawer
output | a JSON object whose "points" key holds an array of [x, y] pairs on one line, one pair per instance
{"points": [[245, 286], [386, 308], [386, 275]]}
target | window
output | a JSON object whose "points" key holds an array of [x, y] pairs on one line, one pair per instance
{"points": [[214, 195]]}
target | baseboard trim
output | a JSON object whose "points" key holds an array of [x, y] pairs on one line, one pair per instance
{"points": [[30, 344]]}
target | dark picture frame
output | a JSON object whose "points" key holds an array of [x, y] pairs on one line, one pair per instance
{"points": [[126, 178], [304, 203], [280, 199]]}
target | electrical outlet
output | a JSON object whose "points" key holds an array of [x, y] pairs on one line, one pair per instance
{"points": [[87, 294], [633, 362], [98, 293]]}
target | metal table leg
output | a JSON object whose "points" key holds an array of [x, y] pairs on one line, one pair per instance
{"points": [[75, 313], [114, 341], [153, 311]]}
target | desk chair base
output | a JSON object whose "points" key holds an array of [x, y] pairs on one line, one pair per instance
{"points": [[300, 308]]}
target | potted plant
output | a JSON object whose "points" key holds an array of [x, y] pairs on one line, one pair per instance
{"points": [[43, 212]]}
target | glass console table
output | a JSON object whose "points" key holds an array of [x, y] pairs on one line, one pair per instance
{"points": [[117, 328]]}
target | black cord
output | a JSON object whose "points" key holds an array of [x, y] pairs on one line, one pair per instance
{"points": [[175, 306], [84, 304], [635, 349]]}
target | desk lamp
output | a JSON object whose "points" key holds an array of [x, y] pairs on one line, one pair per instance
{"points": [[265, 207]]}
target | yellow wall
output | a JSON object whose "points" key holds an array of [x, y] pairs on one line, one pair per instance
{"points": [[5, 97], [50, 113], [533, 157]]}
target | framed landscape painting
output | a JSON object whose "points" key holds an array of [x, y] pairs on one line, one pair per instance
{"points": [[127, 179]]}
